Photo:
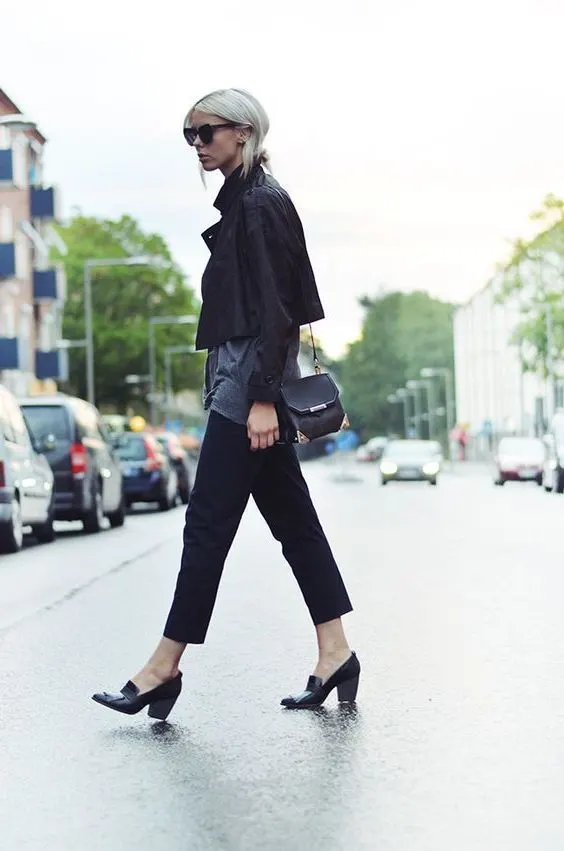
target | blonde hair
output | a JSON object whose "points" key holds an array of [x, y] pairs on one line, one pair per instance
{"points": [[242, 108]]}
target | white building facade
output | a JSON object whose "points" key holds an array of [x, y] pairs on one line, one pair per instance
{"points": [[493, 394]]}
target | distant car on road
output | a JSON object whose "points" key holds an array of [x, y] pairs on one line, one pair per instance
{"points": [[178, 456], [26, 481], [411, 461], [519, 459], [372, 450], [148, 474], [88, 480]]}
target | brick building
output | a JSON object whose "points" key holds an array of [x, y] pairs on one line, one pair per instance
{"points": [[32, 290]]}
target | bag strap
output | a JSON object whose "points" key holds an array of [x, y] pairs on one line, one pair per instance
{"points": [[316, 364]]}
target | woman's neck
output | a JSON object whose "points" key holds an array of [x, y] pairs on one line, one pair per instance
{"points": [[228, 169]]}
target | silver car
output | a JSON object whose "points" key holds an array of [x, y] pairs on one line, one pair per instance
{"points": [[26, 481], [411, 461]]}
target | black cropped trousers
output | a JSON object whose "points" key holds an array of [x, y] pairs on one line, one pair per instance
{"points": [[228, 474]]}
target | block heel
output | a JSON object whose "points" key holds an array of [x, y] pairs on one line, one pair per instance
{"points": [[346, 691], [161, 709]]}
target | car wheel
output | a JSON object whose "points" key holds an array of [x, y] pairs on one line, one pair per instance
{"points": [[165, 503], [94, 518], [45, 532], [117, 518], [499, 482], [433, 482], [383, 482], [11, 533]]}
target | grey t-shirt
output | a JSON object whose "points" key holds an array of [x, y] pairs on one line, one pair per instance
{"points": [[228, 370]]}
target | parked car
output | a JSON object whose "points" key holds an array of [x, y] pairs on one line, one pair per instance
{"points": [[180, 461], [148, 474], [372, 450], [519, 459], [26, 481], [88, 479], [412, 461]]}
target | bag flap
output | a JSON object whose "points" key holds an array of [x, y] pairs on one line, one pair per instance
{"points": [[314, 392]]}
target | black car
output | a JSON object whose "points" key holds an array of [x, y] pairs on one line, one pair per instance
{"points": [[148, 474], [26, 481], [179, 459], [88, 479]]}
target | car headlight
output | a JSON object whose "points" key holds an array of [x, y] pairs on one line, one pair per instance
{"points": [[388, 468], [431, 468]]}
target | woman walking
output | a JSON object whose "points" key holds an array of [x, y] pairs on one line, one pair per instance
{"points": [[257, 289]]}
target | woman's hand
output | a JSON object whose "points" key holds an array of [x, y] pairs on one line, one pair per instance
{"points": [[262, 425]]}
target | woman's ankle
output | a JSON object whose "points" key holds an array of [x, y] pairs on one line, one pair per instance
{"points": [[337, 651]]}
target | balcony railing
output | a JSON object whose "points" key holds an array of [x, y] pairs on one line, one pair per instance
{"points": [[42, 202], [6, 166], [7, 259], [9, 353], [47, 365]]}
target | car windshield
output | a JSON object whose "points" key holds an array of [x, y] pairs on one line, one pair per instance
{"points": [[520, 446], [43, 420], [411, 449], [131, 447]]}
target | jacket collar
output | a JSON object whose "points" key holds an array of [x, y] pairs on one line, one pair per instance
{"points": [[232, 188]]}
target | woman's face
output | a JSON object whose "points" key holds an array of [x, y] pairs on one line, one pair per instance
{"points": [[224, 150]]}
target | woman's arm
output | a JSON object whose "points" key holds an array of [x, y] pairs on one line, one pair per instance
{"points": [[270, 251]]}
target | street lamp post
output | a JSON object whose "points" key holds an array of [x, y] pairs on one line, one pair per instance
{"points": [[88, 322], [160, 320], [415, 386], [432, 372], [430, 409], [403, 394], [393, 399], [169, 351]]}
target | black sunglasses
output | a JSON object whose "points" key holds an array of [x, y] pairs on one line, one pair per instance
{"points": [[205, 132]]}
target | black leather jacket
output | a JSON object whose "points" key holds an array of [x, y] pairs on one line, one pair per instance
{"points": [[258, 281]]}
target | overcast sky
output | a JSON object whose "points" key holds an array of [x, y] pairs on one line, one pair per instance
{"points": [[415, 136]]}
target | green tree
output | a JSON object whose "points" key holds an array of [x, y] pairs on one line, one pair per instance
{"points": [[532, 279], [402, 333], [123, 299]]}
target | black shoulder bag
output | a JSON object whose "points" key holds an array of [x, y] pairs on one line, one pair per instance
{"points": [[312, 405]]}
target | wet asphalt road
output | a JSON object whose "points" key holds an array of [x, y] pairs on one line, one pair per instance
{"points": [[457, 740]]}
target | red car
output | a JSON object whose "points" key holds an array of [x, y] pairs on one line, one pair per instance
{"points": [[519, 459]]}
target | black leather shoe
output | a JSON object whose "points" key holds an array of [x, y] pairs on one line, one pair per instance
{"points": [[160, 700], [345, 680]]}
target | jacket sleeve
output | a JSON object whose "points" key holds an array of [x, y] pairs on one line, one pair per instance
{"points": [[270, 256]]}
